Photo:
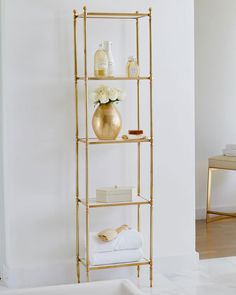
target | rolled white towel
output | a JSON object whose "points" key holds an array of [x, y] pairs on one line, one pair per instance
{"points": [[123, 256], [126, 240]]}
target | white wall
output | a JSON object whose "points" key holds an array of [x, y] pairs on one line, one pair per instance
{"points": [[39, 134], [215, 97], [2, 227]]}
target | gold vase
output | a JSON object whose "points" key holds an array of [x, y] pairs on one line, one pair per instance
{"points": [[106, 121]]}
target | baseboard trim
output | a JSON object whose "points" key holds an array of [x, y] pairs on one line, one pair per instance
{"points": [[40, 275], [64, 272], [200, 213]]}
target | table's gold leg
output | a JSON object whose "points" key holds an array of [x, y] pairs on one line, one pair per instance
{"points": [[209, 181]]}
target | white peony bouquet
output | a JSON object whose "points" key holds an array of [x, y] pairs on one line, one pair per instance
{"points": [[104, 94]]}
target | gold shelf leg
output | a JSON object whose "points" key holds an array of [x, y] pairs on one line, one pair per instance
{"points": [[77, 240], [151, 151], [76, 150], [209, 183], [86, 145], [87, 244], [138, 227], [87, 276], [138, 125]]}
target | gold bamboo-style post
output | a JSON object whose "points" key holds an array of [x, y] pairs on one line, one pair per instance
{"points": [[86, 143], [151, 149], [138, 125], [76, 148]]}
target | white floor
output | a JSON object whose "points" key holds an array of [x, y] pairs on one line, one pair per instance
{"points": [[211, 277]]}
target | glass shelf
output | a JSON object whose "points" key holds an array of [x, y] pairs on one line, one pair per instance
{"points": [[138, 200], [113, 15], [115, 78], [113, 141], [143, 261]]}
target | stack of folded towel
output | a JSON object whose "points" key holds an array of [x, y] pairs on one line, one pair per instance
{"points": [[230, 150], [126, 247]]}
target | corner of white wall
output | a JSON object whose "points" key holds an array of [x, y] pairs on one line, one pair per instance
{"points": [[2, 214]]}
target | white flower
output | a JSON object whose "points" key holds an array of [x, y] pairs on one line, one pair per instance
{"points": [[121, 95], [113, 94], [93, 97], [104, 94], [104, 100]]}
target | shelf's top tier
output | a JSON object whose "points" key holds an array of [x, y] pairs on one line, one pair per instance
{"points": [[113, 15]]}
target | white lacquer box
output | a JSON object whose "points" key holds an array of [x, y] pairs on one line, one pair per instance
{"points": [[115, 194]]}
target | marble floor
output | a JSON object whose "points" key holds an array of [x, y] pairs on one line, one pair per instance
{"points": [[210, 277]]}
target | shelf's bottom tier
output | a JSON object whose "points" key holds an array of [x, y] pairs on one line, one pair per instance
{"points": [[143, 261]]}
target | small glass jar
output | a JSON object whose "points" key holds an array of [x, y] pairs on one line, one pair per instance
{"points": [[132, 67]]}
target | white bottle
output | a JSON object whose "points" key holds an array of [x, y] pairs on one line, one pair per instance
{"points": [[111, 64]]}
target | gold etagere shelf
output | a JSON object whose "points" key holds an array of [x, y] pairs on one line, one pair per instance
{"points": [[90, 203]]}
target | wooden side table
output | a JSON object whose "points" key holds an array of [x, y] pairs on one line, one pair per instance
{"points": [[214, 164]]}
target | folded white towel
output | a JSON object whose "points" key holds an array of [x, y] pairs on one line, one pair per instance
{"points": [[230, 153], [122, 256], [126, 240]]}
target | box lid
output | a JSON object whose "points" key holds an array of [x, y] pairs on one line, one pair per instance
{"points": [[115, 188]]}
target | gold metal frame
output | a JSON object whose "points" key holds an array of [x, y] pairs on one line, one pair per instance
{"points": [[221, 215], [91, 203]]}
